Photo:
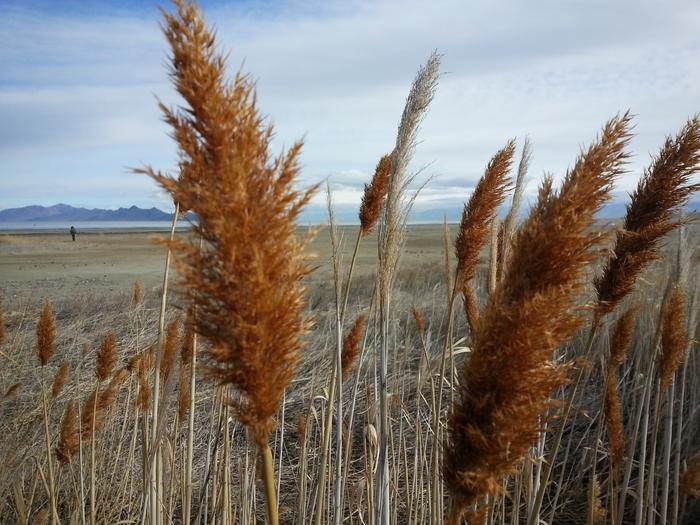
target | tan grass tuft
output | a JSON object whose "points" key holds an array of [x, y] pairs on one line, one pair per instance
{"points": [[183, 393], [352, 345], [662, 191], [106, 357], [59, 380], [374, 196], [507, 381], [674, 336], [68, 443], [46, 334]]}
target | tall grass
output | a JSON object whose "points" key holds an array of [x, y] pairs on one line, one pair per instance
{"points": [[562, 392]]}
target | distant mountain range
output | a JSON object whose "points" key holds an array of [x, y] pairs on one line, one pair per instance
{"points": [[346, 215], [63, 212]]}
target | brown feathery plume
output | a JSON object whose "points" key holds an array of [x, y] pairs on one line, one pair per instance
{"points": [[46, 334], [138, 293], [471, 308], [620, 342], [68, 443], [374, 196], [105, 399], [59, 380], [245, 284], [106, 357], [483, 204], [351, 345], [12, 390], [674, 336], [188, 339], [506, 383], [172, 342], [134, 362], [183, 394], [690, 482], [145, 391], [418, 318], [662, 191]]}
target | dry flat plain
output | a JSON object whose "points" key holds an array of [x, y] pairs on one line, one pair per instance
{"points": [[51, 265]]}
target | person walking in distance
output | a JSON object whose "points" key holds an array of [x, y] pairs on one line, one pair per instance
{"points": [[73, 231]]}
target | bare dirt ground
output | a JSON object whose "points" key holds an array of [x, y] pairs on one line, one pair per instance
{"points": [[51, 265]]}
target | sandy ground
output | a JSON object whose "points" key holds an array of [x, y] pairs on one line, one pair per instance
{"points": [[51, 265]]}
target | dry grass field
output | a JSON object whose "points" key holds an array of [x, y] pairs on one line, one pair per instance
{"points": [[537, 368]]}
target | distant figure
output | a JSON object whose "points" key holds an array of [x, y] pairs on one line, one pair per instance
{"points": [[73, 231]]}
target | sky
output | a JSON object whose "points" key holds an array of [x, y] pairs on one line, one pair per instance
{"points": [[80, 79]]}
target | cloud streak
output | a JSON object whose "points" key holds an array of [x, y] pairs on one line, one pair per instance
{"points": [[78, 107]]}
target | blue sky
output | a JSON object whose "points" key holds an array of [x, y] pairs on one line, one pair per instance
{"points": [[77, 92]]}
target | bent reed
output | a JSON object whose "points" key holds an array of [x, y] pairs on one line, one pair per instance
{"points": [[561, 390]]}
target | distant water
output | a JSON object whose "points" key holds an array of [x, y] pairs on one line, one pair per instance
{"points": [[87, 226]]}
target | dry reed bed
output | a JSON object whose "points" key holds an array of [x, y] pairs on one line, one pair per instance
{"points": [[539, 401]]}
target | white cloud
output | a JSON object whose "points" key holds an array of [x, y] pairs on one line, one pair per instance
{"points": [[77, 92]]}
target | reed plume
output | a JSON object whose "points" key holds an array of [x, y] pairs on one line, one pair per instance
{"points": [[351, 345], [245, 281], [170, 348], [59, 380], [391, 237], [374, 196], [674, 336], [106, 357], [419, 320], [507, 229], [622, 336], [183, 394], [662, 191], [507, 381], [46, 334], [138, 293], [479, 211], [68, 443], [98, 403]]}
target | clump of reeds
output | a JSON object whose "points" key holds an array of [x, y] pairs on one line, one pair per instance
{"points": [[662, 191], [245, 282], [507, 381]]}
